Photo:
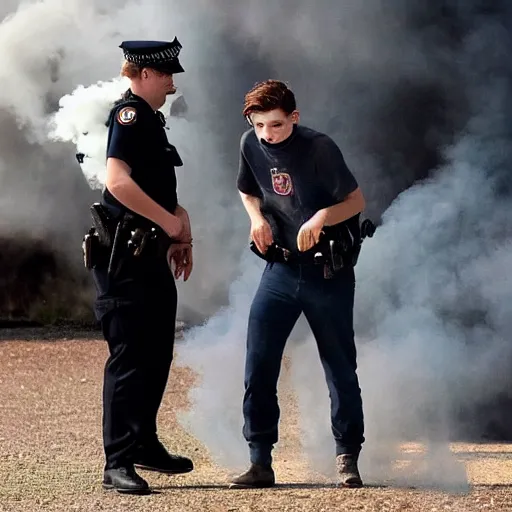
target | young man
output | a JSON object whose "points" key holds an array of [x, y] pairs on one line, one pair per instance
{"points": [[295, 186], [143, 230]]}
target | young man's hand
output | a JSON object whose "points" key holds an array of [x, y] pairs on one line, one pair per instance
{"points": [[261, 234], [310, 231]]}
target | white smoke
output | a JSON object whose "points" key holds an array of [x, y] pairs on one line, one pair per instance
{"points": [[58, 86], [81, 119], [431, 329], [392, 85]]}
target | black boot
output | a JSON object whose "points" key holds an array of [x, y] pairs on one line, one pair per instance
{"points": [[348, 472], [255, 477], [157, 458], [125, 480]]}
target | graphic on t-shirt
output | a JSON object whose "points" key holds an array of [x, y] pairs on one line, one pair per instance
{"points": [[281, 182]]}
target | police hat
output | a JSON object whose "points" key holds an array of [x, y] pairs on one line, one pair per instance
{"points": [[159, 55]]}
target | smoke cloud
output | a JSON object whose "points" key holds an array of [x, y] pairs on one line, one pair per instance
{"points": [[417, 96], [418, 100]]}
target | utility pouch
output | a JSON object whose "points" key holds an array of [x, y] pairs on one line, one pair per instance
{"points": [[92, 249]]}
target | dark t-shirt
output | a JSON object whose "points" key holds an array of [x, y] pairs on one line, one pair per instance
{"points": [[137, 136], [294, 178]]}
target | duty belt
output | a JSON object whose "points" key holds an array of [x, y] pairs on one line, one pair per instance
{"points": [[277, 254], [333, 253], [125, 236]]}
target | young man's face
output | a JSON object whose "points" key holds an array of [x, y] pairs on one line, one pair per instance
{"points": [[274, 126]]}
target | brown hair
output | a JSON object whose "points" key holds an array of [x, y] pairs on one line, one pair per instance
{"points": [[269, 95], [130, 70]]}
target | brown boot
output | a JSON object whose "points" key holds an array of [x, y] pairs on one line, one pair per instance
{"points": [[348, 472], [255, 477]]}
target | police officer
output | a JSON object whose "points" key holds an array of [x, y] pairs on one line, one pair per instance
{"points": [[145, 235], [304, 206]]}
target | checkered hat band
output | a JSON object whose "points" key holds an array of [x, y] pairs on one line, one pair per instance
{"points": [[153, 58]]}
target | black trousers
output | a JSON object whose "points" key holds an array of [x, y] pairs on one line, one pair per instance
{"points": [[137, 312]]}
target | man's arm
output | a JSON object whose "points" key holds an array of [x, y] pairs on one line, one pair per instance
{"points": [[182, 214], [249, 190], [261, 233], [337, 178], [181, 254], [353, 204], [252, 206], [309, 233], [122, 186]]}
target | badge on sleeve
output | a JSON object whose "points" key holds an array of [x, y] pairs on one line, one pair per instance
{"points": [[281, 182], [127, 115]]}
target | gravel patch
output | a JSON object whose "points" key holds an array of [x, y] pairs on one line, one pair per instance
{"points": [[51, 454]]}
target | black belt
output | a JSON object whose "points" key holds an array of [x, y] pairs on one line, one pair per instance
{"points": [[295, 258], [277, 254]]}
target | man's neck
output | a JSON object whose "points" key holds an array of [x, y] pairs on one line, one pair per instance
{"points": [[154, 104]]}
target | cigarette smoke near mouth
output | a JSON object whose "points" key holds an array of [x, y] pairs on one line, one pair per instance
{"points": [[416, 94]]}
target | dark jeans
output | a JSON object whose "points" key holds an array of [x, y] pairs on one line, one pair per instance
{"points": [[285, 291], [137, 311]]}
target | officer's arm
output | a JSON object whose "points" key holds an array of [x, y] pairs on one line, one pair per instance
{"points": [[182, 214], [121, 185], [353, 204]]}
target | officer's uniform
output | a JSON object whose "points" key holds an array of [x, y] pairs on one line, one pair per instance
{"points": [[137, 299], [294, 179]]}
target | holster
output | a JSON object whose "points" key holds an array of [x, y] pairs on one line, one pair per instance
{"points": [[135, 238], [103, 223], [338, 248], [97, 241], [111, 241], [274, 254], [341, 247], [90, 249]]}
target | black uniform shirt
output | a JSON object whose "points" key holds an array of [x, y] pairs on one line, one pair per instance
{"points": [[294, 179], [137, 136]]}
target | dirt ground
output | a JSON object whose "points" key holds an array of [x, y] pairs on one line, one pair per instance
{"points": [[51, 454]]}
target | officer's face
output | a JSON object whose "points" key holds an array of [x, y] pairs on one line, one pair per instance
{"points": [[159, 83], [168, 84], [274, 126]]}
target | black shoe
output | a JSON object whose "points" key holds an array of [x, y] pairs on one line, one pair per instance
{"points": [[255, 477], [157, 458], [125, 480], [348, 472]]}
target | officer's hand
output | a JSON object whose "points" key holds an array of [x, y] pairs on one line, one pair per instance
{"points": [[309, 233], [179, 259], [261, 234], [187, 261], [184, 262]]}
